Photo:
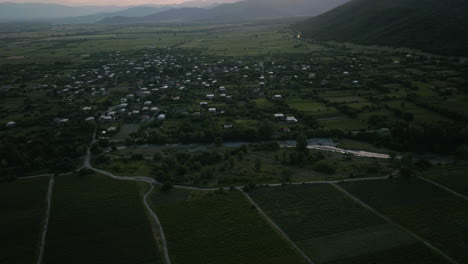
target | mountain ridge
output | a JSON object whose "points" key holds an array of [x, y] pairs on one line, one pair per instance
{"points": [[430, 25]]}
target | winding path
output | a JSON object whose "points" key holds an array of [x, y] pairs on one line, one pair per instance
{"points": [[152, 182]]}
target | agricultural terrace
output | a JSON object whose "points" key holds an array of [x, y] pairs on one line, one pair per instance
{"points": [[23, 206], [96, 219], [421, 207], [207, 227], [331, 228]]}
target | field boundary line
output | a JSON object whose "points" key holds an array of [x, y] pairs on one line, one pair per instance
{"points": [[150, 181], [444, 188], [275, 226], [156, 219], [46, 221], [357, 200]]}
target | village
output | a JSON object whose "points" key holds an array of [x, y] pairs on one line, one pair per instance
{"points": [[171, 96]]}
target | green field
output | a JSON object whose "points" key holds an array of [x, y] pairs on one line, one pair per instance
{"points": [[218, 228], [95, 219], [23, 204], [331, 228], [430, 212], [125, 131]]}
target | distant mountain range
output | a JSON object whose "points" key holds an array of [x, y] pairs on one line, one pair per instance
{"points": [[27, 11], [33, 11], [239, 11], [439, 26]]}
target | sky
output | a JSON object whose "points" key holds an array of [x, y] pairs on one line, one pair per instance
{"points": [[100, 2]]}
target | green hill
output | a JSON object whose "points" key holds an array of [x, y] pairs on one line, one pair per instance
{"points": [[439, 26]]}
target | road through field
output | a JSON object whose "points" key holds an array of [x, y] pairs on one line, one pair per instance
{"points": [[272, 223], [46, 220], [152, 182]]}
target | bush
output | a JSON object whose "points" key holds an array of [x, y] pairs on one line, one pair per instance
{"points": [[324, 166]]}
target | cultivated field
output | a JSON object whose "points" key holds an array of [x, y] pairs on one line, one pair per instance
{"points": [[331, 228], [453, 177], [95, 219], [218, 228], [432, 213], [23, 206]]}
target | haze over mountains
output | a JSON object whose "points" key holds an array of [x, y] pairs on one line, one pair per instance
{"points": [[31, 11], [439, 26], [239, 11]]}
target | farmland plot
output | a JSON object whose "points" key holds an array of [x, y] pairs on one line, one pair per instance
{"points": [[430, 212], [21, 219], [331, 228], [95, 219], [218, 228]]}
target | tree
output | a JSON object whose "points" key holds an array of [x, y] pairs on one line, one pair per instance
{"points": [[286, 175], [167, 186], [462, 152], [218, 141], [301, 143], [258, 165], [406, 172], [265, 131]]}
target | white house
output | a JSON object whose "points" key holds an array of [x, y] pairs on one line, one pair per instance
{"points": [[11, 124], [161, 117], [212, 110], [210, 96]]}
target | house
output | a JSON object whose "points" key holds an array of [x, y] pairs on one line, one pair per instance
{"points": [[203, 103], [147, 103], [279, 116], [311, 76], [291, 119], [212, 110], [105, 118], [161, 117], [210, 96], [222, 89], [277, 96], [11, 124], [91, 118], [227, 126]]}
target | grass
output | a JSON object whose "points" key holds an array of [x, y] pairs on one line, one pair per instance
{"points": [[218, 228], [125, 167], [95, 219], [125, 131], [23, 204], [432, 213]]}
